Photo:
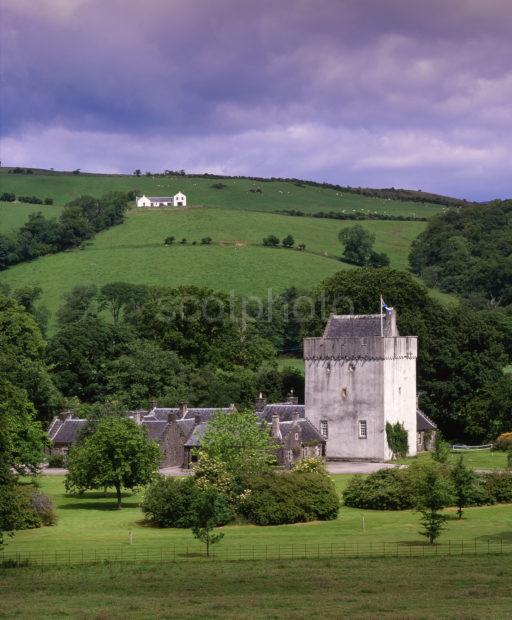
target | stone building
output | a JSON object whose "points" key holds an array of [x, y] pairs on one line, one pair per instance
{"points": [[360, 375]]}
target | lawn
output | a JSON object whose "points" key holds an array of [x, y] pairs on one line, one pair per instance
{"points": [[453, 587], [476, 459], [297, 363], [91, 523]]}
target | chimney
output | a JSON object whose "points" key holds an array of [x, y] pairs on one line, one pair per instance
{"points": [[295, 417], [65, 415], [260, 403], [276, 428], [183, 408], [171, 417], [136, 417], [291, 399], [153, 404]]}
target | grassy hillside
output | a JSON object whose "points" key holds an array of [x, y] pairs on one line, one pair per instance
{"points": [[234, 217], [236, 261], [275, 195]]}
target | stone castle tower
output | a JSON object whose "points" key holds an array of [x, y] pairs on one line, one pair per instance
{"points": [[360, 375]]}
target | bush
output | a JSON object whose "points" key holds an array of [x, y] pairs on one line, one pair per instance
{"points": [[218, 185], [503, 442], [42, 506], [48, 201], [271, 241], [56, 460], [292, 497], [8, 197], [386, 489], [397, 439], [495, 488], [167, 501], [169, 240], [32, 508], [288, 242], [33, 200], [206, 240]]}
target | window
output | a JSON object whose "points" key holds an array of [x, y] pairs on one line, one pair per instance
{"points": [[344, 392], [363, 429], [419, 439], [324, 428], [296, 436], [289, 455]]}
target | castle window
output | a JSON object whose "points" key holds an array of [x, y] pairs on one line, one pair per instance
{"points": [[352, 366], [344, 392], [324, 428], [296, 436], [363, 429]]}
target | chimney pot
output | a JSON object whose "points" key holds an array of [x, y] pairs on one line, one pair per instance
{"points": [[260, 402], [183, 408], [276, 427], [153, 404]]}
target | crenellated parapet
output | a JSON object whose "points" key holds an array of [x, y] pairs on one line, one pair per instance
{"points": [[363, 348]]}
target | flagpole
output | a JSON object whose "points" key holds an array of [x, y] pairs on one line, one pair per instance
{"points": [[381, 319]]}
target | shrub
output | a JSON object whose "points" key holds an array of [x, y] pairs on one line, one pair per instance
{"points": [[288, 241], [34, 200], [292, 497], [169, 240], [397, 439], [311, 465], [32, 508], [496, 488], [183, 241], [56, 460], [42, 506], [206, 240], [8, 197], [48, 201], [167, 501], [503, 442], [271, 241], [386, 489], [218, 186]]}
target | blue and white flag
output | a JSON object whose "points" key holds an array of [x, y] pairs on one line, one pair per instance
{"points": [[384, 306]]}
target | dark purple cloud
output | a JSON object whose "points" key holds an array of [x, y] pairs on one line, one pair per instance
{"points": [[365, 92]]}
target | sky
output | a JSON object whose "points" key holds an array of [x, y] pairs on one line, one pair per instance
{"points": [[375, 93]]}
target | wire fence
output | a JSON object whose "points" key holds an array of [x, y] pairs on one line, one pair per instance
{"points": [[275, 552]]}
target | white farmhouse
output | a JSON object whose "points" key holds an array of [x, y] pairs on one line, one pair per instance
{"points": [[178, 200]]}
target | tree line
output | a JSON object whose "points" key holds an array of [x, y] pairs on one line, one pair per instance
{"points": [[79, 221], [357, 215]]}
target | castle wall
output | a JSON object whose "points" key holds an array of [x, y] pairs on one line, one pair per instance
{"points": [[353, 380]]}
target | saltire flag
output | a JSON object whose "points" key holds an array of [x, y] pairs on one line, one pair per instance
{"points": [[385, 307]]}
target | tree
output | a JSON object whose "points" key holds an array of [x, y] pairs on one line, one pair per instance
{"points": [[288, 242], [397, 439], [271, 241], [121, 296], [378, 259], [433, 492], [209, 509], [169, 240], [137, 172], [464, 485], [238, 440], [117, 455], [441, 450], [358, 244], [206, 241]]}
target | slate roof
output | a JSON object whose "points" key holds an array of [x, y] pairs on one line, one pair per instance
{"points": [[357, 326], [309, 432], [67, 431], [423, 422], [161, 198], [155, 428], [197, 434], [284, 410], [206, 413]]}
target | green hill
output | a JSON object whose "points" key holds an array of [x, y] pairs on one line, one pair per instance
{"points": [[234, 217]]}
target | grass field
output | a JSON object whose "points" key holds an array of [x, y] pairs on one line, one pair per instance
{"points": [[454, 587], [92, 522], [275, 195], [15, 214], [476, 459], [135, 252]]}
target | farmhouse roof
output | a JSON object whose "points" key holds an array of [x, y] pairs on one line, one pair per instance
{"points": [[423, 422], [67, 431], [205, 413], [160, 198], [285, 411], [309, 432], [359, 325], [197, 434]]}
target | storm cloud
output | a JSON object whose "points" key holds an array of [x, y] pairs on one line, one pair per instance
{"points": [[363, 92]]}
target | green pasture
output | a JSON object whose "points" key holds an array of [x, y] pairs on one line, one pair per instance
{"points": [[297, 363], [476, 459], [275, 195], [135, 252], [15, 214], [437, 588], [91, 522]]}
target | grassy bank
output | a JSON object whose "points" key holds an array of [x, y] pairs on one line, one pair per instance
{"points": [[377, 588]]}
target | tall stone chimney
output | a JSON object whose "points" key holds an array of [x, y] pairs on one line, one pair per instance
{"points": [[171, 417], [183, 408], [276, 428], [295, 417], [153, 404], [260, 403], [291, 399], [137, 417]]}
